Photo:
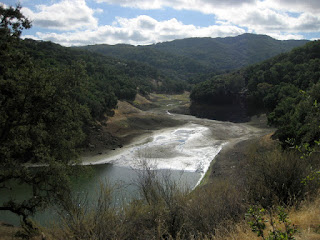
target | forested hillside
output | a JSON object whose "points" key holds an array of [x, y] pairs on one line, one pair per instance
{"points": [[230, 52], [186, 58], [50, 99], [125, 77], [175, 66], [286, 86]]}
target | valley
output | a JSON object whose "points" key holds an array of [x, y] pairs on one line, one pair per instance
{"points": [[164, 141]]}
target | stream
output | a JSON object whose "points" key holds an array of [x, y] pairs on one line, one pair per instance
{"points": [[185, 152]]}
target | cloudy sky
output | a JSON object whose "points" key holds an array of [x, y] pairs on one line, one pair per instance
{"points": [[141, 22]]}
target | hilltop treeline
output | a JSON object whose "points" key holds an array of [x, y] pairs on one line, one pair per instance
{"points": [[286, 87], [185, 59]]}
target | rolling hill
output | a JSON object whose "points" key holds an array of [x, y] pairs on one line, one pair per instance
{"points": [[188, 57]]}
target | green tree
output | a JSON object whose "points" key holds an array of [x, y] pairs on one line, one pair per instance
{"points": [[41, 121]]}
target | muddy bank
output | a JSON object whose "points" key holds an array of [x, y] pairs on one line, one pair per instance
{"points": [[229, 162], [164, 136], [128, 123]]}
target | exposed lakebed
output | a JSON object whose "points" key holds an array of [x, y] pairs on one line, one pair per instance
{"points": [[184, 151]]}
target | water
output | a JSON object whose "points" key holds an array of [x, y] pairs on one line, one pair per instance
{"points": [[185, 151], [123, 179]]}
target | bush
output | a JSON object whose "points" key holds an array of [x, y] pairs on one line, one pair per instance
{"points": [[213, 206], [275, 177], [81, 219]]}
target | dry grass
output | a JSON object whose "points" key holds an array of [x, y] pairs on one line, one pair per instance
{"points": [[306, 219], [162, 100], [239, 232], [7, 232], [140, 100]]}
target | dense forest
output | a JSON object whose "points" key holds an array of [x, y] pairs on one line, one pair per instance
{"points": [[286, 87], [187, 58], [124, 78]]}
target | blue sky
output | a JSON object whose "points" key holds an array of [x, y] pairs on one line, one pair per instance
{"points": [[141, 22]]}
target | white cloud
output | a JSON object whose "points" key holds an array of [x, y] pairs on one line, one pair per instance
{"points": [[65, 15], [141, 30], [259, 16], [232, 17], [281, 36], [297, 6], [98, 10], [199, 5]]}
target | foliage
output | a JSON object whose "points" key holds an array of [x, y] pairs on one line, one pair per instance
{"points": [[293, 91], [49, 97], [219, 90], [186, 59], [257, 222], [286, 87], [48, 100], [164, 210], [231, 52], [9, 29], [274, 177]]}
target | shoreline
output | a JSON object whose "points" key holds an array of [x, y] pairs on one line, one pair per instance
{"points": [[167, 149], [229, 160], [153, 123]]}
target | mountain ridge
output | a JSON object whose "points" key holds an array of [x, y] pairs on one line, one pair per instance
{"points": [[185, 58]]}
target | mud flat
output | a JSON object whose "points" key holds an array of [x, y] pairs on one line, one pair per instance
{"points": [[189, 146]]}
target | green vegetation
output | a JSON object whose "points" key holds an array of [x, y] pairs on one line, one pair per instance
{"points": [[177, 68], [166, 211], [41, 121], [51, 96], [231, 52], [258, 224], [186, 60], [286, 87]]}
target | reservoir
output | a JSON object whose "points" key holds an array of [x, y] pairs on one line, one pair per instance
{"points": [[183, 152]]}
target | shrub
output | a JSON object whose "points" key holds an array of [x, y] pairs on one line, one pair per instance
{"points": [[275, 177]]}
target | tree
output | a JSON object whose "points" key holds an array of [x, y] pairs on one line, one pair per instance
{"points": [[41, 122]]}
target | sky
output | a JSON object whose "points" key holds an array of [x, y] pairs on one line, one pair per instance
{"points": [[144, 22]]}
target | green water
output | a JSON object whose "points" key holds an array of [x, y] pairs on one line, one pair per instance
{"points": [[123, 178]]}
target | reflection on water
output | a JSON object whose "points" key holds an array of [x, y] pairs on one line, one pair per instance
{"points": [[122, 178]]}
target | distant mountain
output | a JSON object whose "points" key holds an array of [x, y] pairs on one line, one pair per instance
{"points": [[230, 52], [174, 65], [187, 57]]}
